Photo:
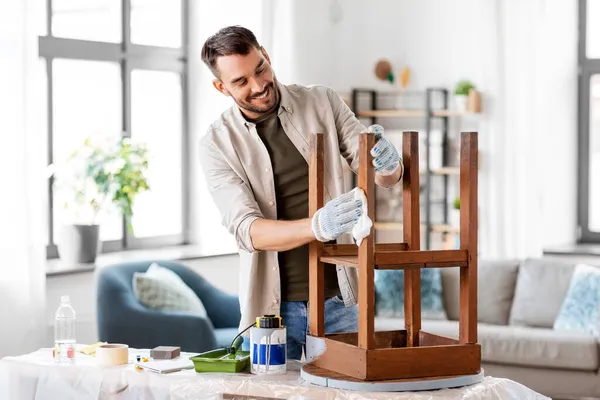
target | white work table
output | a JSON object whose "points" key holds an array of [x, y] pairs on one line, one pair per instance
{"points": [[35, 376]]}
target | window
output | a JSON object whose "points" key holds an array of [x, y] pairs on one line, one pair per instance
{"points": [[589, 121], [118, 68]]}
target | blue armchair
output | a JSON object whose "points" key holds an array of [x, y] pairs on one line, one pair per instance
{"points": [[123, 319]]}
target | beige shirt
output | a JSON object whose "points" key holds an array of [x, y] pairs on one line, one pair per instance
{"points": [[239, 177]]}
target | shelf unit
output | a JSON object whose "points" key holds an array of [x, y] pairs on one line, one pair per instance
{"points": [[428, 114]]}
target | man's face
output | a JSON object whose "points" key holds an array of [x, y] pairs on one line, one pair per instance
{"points": [[249, 80]]}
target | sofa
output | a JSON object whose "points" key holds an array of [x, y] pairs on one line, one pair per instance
{"points": [[123, 319], [518, 303]]}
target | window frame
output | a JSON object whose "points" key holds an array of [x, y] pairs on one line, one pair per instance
{"points": [[128, 56], [586, 69]]}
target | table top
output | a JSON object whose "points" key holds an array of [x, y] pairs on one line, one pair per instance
{"points": [[36, 376]]}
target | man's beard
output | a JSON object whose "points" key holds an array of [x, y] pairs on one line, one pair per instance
{"points": [[246, 104]]}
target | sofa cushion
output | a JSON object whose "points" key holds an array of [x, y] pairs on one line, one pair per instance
{"points": [[541, 288], [496, 282], [160, 288], [580, 310], [389, 293], [519, 345]]}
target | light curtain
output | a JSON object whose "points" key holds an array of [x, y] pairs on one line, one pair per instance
{"points": [[22, 161], [527, 179]]}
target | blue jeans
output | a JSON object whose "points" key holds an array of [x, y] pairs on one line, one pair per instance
{"points": [[295, 315]]}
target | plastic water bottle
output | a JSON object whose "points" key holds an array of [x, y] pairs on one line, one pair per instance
{"points": [[64, 332]]}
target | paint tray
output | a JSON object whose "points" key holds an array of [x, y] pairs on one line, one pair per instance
{"points": [[220, 361]]}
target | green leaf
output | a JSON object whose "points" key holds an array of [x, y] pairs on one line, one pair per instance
{"points": [[463, 87]]}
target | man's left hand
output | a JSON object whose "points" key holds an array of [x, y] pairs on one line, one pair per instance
{"points": [[385, 156]]}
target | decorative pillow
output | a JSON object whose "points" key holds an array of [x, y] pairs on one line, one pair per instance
{"points": [[542, 284], [389, 293], [496, 281], [580, 310], [160, 288]]}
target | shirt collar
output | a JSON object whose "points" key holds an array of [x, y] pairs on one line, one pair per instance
{"points": [[286, 101]]}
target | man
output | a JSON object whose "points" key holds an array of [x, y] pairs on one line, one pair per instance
{"points": [[255, 161]]}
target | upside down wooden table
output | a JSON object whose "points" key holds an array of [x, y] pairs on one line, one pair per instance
{"points": [[35, 376], [412, 356]]}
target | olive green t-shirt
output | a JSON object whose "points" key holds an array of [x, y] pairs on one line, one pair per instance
{"points": [[290, 172]]}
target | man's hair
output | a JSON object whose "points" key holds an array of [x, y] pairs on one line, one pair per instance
{"points": [[226, 42]]}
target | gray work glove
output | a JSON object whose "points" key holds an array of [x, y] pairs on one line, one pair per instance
{"points": [[337, 217], [386, 158]]}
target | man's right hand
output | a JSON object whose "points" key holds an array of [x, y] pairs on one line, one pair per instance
{"points": [[337, 217]]}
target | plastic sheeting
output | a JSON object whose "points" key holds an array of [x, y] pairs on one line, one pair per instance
{"points": [[35, 377]]}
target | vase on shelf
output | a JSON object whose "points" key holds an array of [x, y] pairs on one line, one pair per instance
{"points": [[455, 218], [461, 102]]}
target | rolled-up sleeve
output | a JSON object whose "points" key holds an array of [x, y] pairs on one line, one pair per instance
{"points": [[232, 196], [348, 129]]}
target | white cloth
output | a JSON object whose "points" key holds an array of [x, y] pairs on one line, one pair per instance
{"points": [[363, 226], [34, 376]]}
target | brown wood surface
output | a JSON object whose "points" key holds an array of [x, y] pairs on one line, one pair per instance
{"points": [[352, 261], [416, 362], [343, 358], [420, 257], [412, 235], [446, 264], [366, 251], [315, 249], [335, 250], [430, 339], [468, 236], [383, 339]]}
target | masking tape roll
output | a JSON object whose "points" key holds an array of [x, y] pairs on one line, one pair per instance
{"points": [[112, 354]]}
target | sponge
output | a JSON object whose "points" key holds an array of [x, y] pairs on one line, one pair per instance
{"points": [[165, 352]]}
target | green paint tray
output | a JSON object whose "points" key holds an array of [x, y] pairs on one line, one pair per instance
{"points": [[220, 360]]}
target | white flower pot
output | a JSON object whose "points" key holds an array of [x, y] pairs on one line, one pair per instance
{"points": [[78, 244], [455, 218], [461, 102]]}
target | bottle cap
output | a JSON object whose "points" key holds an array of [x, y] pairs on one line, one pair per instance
{"points": [[65, 299], [269, 321]]}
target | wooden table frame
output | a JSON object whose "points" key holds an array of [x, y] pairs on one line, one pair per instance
{"points": [[410, 353]]}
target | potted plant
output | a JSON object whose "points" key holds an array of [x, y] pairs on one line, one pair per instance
{"points": [[98, 177], [461, 94], [455, 214]]}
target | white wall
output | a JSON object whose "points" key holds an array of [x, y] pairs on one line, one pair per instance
{"points": [[303, 42], [440, 41]]}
